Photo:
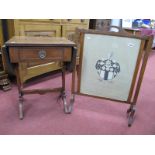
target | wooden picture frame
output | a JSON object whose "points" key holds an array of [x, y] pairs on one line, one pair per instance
{"points": [[94, 43]]}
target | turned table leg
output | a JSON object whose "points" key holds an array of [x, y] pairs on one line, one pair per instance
{"points": [[20, 87], [72, 100], [63, 93], [21, 114], [75, 68]]}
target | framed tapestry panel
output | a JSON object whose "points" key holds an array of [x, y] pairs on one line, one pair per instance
{"points": [[108, 65], [112, 65]]}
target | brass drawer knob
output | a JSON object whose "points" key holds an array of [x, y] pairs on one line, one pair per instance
{"points": [[42, 54]]}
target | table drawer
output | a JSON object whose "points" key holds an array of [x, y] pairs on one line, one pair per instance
{"points": [[40, 54]]}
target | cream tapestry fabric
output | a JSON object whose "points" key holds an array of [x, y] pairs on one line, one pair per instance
{"points": [[108, 65]]}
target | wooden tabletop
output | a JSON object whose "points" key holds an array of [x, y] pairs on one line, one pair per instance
{"points": [[38, 41]]}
